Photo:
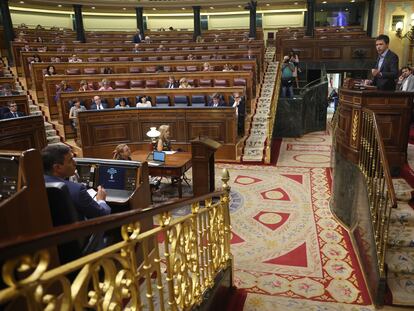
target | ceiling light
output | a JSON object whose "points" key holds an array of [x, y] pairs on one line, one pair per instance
{"points": [[182, 8], [296, 3], [267, 4], [321, 10], [154, 9], [21, 2], [324, 2], [212, 7], [93, 8], [59, 5], [239, 6], [346, 9], [124, 9], [352, 1]]}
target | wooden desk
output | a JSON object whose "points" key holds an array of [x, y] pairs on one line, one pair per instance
{"points": [[175, 165]]}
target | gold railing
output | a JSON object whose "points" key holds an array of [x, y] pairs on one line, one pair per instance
{"points": [[180, 259], [381, 196]]}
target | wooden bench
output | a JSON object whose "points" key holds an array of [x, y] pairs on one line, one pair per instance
{"points": [[139, 67], [76, 47], [146, 80], [110, 96], [20, 100]]}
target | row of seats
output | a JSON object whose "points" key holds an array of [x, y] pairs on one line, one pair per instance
{"points": [[149, 69], [126, 84], [153, 49], [165, 101]]}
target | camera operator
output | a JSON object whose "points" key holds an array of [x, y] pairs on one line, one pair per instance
{"points": [[287, 77]]}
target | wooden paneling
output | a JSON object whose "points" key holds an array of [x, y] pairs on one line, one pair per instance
{"points": [[22, 133], [102, 130]]}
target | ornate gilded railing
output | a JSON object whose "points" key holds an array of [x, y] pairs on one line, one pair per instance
{"points": [[381, 196], [168, 267]]}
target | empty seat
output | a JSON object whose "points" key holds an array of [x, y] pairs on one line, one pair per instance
{"points": [[162, 100], [135, 70], [239, 82], [179, 57], [124, 58], [121, 84], [185, 48], [174, 48], [136, 84], [150, 49], [180, 68], [231, 56], [108, 59], [138, 59], [150, 69], [93, 59], [151, 83], [92, 50], [118, 49], [205, 57], [191, 68], [153, 58], [220, 83], [90, 71], [223, 47], [212, 47], [77, 50], [243, 46], [73, 71], [167, 68], [198, 100], [246, 67], [166, 57], [105, 50], [199, 48], [180, 100], [204, 83]]}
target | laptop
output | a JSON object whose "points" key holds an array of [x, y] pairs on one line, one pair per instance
{"points": [[156, 158]]}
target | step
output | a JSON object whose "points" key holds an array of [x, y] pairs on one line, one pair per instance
{"points": [[50, 132], [53, 139], [403, 214], [48, 126], [403, 191], [33, 108], [36, 113], [401, 286], [401, 236], [400, 260]]}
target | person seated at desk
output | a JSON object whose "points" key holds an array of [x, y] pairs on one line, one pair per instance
{"points": [[13, 113], [58, 165], [97, 103], [84, 86], [122, 152], [144, 102], [105, 85], [122, 104], [171, 83], [216, 101], [73, 112], [164, 143]]}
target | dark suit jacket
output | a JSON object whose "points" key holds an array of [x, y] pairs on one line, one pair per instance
{"points": [[9, 115], [389, 71], [221, 104], [103, 104], [175, 85], [136, 38], [85, 205]]}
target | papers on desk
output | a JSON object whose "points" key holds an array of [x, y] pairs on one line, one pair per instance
{"points": [[92, 193], [170, 152]]}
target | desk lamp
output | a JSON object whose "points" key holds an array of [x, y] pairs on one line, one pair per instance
{"points": [[153, 134]]}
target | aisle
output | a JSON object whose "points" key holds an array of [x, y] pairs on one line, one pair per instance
{"points": [[290, 252]]}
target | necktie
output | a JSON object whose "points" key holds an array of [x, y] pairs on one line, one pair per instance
{"points": [[15, 114], [98, 107]]}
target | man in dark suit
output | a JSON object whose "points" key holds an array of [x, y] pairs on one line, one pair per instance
{"points": [[98, 104], [137, 38], [240, 105], [13, 113], [216, 101], [58, 165], [386, 70], [171, 83]]}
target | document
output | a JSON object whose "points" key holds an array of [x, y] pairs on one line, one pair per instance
{"points": [[169, 152], [92, 193]]}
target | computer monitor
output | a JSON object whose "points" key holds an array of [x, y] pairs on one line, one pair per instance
{"points": [[111, 177]]}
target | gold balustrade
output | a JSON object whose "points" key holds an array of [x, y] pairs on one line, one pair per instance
{"points": [[381, 196], [181, 258]]}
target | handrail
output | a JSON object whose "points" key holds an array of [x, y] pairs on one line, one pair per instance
{"points": [[169, 266], [62, 234], [381, 195]]}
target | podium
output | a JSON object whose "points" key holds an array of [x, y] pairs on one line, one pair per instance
{"points": [[203, 149], [393, 113]]}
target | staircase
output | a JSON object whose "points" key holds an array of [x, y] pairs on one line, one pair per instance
{"points": [[255, 144], [400, 254], [51, 133]]}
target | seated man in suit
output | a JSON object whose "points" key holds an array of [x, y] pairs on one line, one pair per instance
{"points": [[58, 165], [386, 70], [406, 80], [13, 113], [98, 104], [216, 101], [171, 83]]}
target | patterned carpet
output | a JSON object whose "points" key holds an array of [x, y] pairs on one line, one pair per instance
{"points": [[290, 253]]}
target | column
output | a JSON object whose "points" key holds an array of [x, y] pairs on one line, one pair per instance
{"points": [[252, 30], [197, 22], [371, 7], [8, 28], [140, 20], [80, 31], [310, 18]]}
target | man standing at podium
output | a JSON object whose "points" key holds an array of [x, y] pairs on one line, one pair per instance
{"points": [[386, 69]]}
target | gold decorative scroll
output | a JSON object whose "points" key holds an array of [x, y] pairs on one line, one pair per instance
{"points": [[172, 274], [355, 127]]}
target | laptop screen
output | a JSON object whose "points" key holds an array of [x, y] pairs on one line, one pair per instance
{"points": [[159, 156]]}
